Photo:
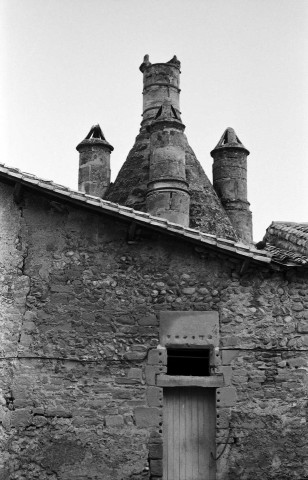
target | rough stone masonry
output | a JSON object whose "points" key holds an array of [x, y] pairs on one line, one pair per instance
{"points": [[79, 330], [95, 294]]}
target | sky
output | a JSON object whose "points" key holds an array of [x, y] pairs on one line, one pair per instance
{"points": [[69, 64]]}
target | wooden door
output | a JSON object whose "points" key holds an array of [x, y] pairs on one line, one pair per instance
{"points": [[189, 433]]}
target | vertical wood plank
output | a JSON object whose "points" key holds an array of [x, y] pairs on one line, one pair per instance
{"points": [[189, 434]]}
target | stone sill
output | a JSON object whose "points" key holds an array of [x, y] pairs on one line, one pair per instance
{"points": [[164, 380]]}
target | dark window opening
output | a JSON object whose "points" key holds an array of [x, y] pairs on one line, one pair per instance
{"points": [[189, 362]]}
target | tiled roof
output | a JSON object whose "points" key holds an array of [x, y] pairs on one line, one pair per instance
{"points": [[195, 236], [287, 242]]}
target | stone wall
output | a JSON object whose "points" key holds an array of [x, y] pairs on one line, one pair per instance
{"points": [[79, 334]]}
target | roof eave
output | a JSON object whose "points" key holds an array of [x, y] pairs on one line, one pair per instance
{"points": [[129, 215]]}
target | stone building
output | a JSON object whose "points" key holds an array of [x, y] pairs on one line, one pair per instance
{"points": [[143, 334]]}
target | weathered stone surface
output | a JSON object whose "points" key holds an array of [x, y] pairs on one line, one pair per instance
{"points": [[226, 397], [189, 328], [156, 450], [156, 467], [147, 416], [131, 185], [154, 396], [21, 417], [227, 374], [303, 326], [114, 420], [82, 293], [157, 356], [151, 371]]}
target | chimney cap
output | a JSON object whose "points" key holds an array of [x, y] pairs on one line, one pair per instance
{"points": [[95, 137], [229, 139]]}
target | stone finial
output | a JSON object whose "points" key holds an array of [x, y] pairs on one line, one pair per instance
{"points": [[146, 63], [174, 60]]}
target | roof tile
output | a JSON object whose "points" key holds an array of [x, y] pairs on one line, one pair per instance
{"points": [[142, 217]]}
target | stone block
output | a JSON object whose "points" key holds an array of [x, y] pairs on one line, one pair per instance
{"points": [[114, 420], [188, 290], [149, 320], [303, 326], [148, 416], [189, 328], [297, 362], [150, 373], [226, 370], [156, 467], [21, 418], [21, 397], [156, 450], [127, 381], [223, 417], [135, 374], [39, 421], [230, 340], [226, 397], [25, 340], [58, 412], [157, 356], [228, 356], [154, 396], [135, 356], [155, 437]]}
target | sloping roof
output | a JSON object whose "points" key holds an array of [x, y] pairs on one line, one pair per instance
{"points": [[206, 211], [214, 242], [287, 242]]}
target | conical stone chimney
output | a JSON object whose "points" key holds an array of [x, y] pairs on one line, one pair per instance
{"points": [[161, 83]]}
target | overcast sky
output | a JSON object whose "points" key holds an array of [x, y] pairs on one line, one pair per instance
{"points": [[71, 63]]}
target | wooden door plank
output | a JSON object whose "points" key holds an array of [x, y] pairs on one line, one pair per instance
{"points": [[189, 433]]}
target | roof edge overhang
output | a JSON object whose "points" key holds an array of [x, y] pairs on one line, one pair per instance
{"points": [[129, 215]]}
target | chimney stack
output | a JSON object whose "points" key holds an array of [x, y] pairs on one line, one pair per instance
{"points": [[161, 81], [94, 163], [230, 182], [167, 193]]}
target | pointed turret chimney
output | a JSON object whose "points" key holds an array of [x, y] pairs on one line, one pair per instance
{"points": [[94, 163], [167, 194], [230, 182]]}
